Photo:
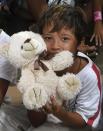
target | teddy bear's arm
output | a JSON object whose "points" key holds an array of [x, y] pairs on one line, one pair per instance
{"points": [[69, 86]]}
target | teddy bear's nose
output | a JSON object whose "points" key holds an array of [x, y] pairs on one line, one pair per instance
{"points": [[27, 41]]}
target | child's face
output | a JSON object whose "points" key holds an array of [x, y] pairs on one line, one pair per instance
{"points": [[63, 39]]}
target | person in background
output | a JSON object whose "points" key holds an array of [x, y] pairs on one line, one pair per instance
{"points": [[21, 14], [12, 117], [63, 28], [36, 7], [94, 12], [98, 22]]}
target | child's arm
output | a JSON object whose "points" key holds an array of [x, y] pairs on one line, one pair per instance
{"points": [[72, 119], [98, 19], [4, 84], [36, 118], [97, 4]]}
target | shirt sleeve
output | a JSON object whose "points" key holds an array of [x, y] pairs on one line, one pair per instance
{"points": [[7, 71]]}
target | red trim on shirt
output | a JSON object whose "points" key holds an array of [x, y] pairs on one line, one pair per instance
{"points": [[97, 72]]}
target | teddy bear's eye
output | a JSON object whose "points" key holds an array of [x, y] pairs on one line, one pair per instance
{"points": [[28, 40], [22, 47]]}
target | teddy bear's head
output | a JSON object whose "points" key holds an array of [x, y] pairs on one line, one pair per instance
{"points": [[23, 48]]}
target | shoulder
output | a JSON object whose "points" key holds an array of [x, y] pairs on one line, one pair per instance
{"points": [[90, 71]]}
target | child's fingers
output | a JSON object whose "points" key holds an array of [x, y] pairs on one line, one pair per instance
{"points": [[100, 40], [93, 36], [47, 108]]}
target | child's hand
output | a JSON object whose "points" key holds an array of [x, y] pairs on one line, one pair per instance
{"points": [[52, 107], [98, 34], [86, 48]]}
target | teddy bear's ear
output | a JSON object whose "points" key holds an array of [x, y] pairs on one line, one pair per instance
{"points": [[4, 49]]}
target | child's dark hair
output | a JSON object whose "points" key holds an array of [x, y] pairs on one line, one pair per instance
{"points": [[64, 15]]}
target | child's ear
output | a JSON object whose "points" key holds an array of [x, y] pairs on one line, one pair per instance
{"points": [[4, 48]]}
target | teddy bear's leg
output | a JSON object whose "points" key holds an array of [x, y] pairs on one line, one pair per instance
{"points": [[69, 86], [33, 93], [27, 79], [35, 97]]}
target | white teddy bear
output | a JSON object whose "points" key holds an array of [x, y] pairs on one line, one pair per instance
{"points": [[37, 85]]}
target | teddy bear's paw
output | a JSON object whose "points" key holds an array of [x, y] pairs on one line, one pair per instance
{"points": [[35, 97], [69, 86], [61, 60]]}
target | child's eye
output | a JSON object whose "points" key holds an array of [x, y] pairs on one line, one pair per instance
{"points": [[65, 39], [47, 38]]}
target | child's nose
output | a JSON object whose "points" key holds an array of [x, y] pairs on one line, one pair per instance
{"points": [[56, 45]]}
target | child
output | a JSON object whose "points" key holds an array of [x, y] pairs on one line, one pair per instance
{"points": [[63, 28]]}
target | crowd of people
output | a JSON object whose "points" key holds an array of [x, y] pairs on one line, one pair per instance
{"points": [[73, 25]]}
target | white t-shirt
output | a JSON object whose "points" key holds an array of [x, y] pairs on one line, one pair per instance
{"points": [[7, 71], [87, 102]]}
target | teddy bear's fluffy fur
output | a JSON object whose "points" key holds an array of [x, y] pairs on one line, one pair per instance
{"points": [[37, 86]]}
